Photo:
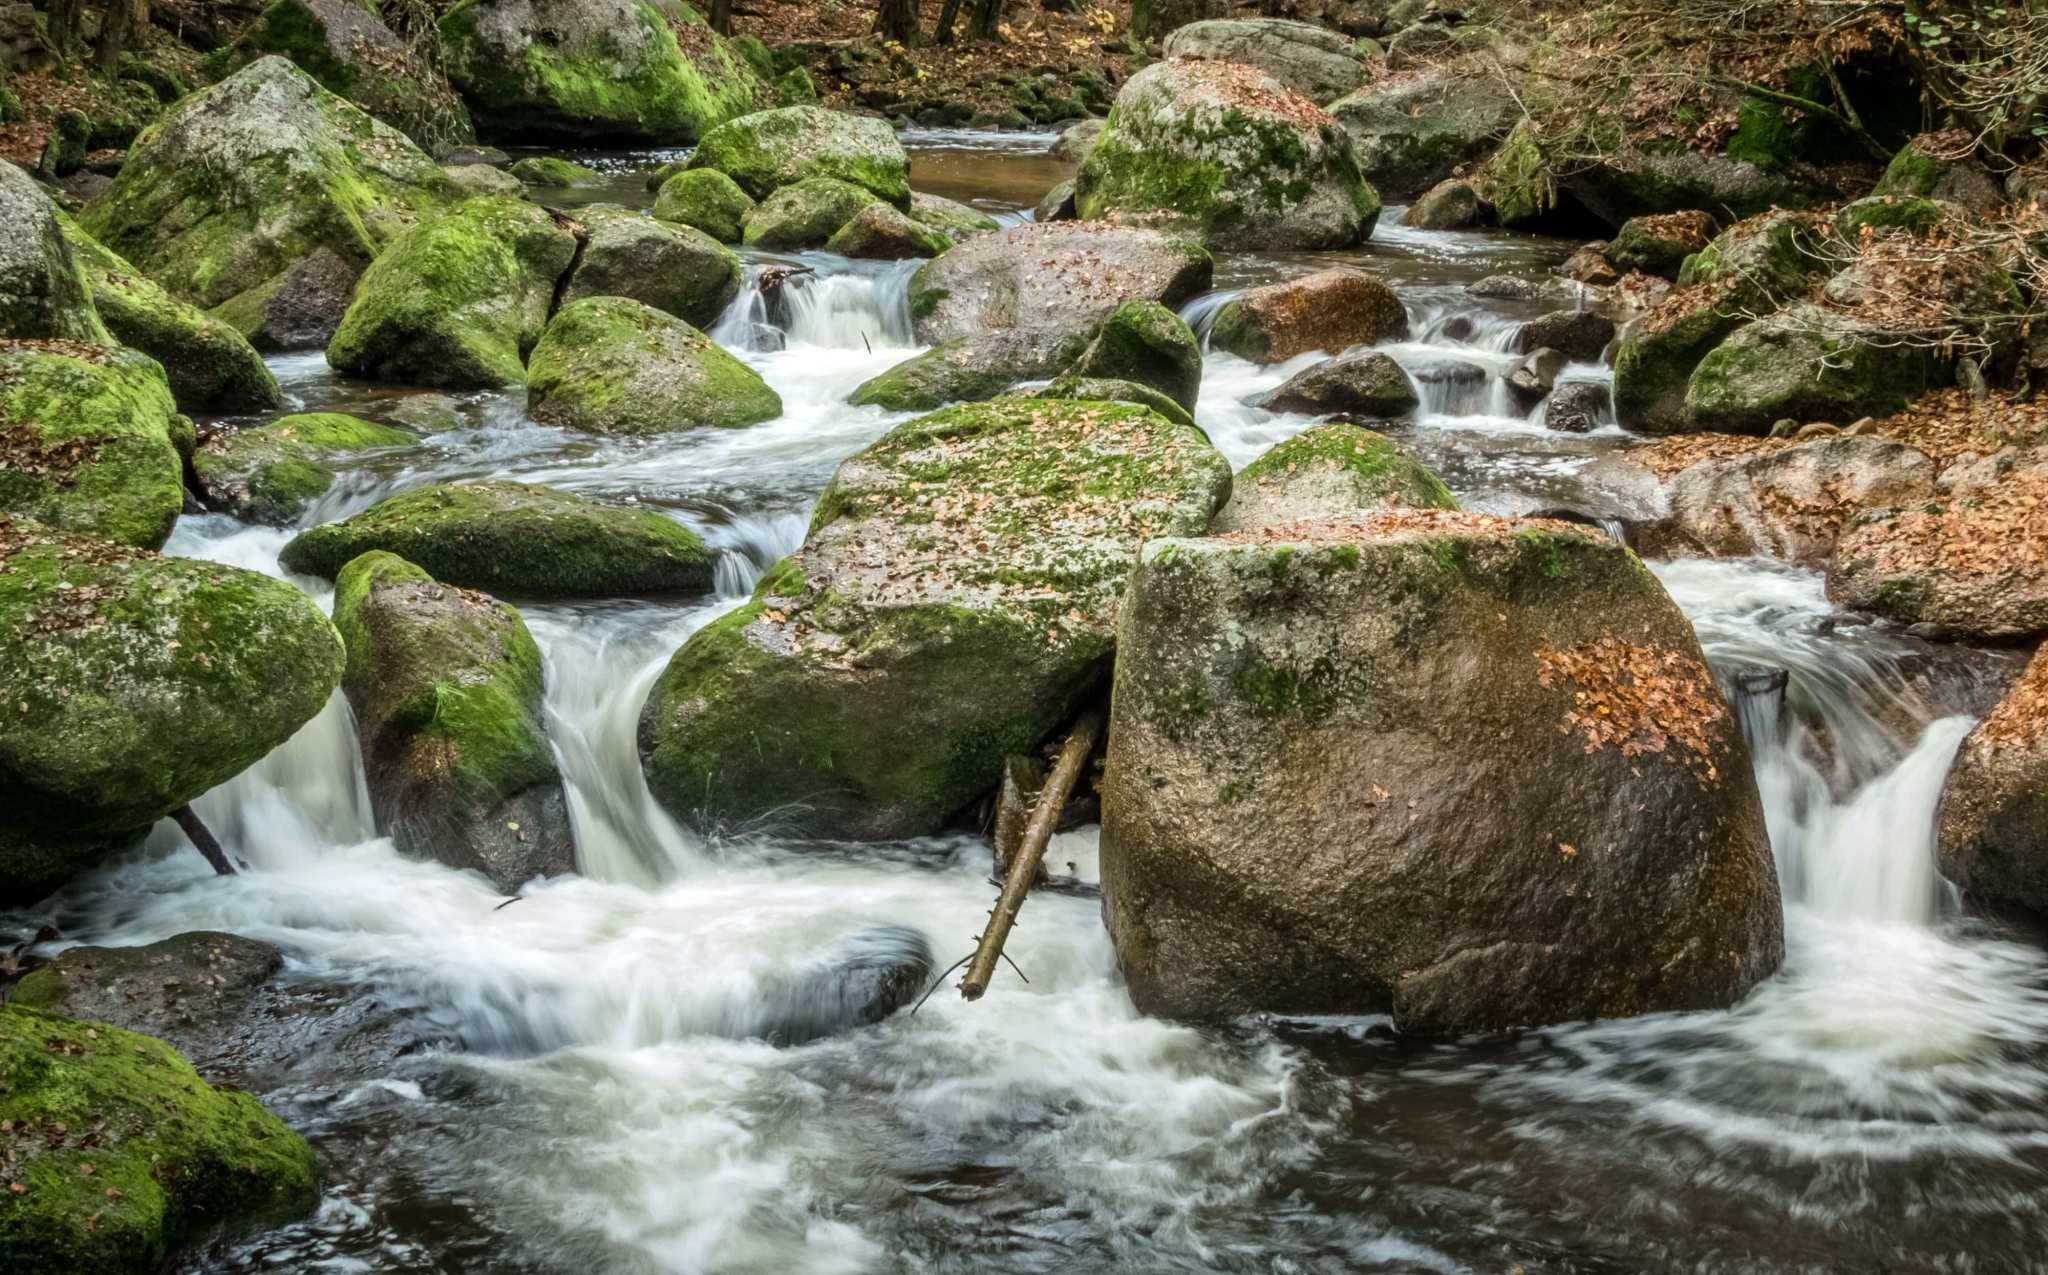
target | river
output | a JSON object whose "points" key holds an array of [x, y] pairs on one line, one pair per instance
{"points": [[573, 1087]]}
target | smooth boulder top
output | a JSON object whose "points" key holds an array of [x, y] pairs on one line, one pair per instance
{"points": [[88, 437], [610, 365], [515, 539], [43, 292], [1333, 470], [1067, 275], [706, 200], [767, 150], [1410, 135], [1319, 64]]}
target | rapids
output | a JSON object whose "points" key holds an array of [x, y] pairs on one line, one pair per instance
{"points": [[575, 1085]]}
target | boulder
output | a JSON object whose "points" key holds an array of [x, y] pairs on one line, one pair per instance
{"points": [[1330, 310], [515, 539], [446, 687], [610, 365], [1335, 470], [1075, 141], [560, 174], [882, 232], [970, 369], [1992, 830], [459, 301], [707, 200], [187, 990], [1451, 204], [124, 1155], [1942, 166], [1577, 407], [1228, 156], [1068, 276], [1362, 383], [1580, 335], [1975, 567], [210, 366], [1793, 502], [1414, 134], [1805, 363], [88, 437], [482, 179], [1660, 244], [1318, 64], [951, 605], [857, 982], [768, 150], [955, 220], [1881, 214], [473, 156], [673, 268], [238, 183], [274, 473], [346, 47], [1627, 183], [43, 292], [1470, 771], [1147, 344], [804, 215], [297, 310], [1057, 204], [578, 70], [134, 684], [1533, 376], [1088, 389]]}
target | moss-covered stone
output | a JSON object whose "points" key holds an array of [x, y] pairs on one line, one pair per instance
{"points": [[346, 47], [86, 433], [1330, 471], [237, 183], [120, 1153], [610, 365], [1329, 310], [1941, 166], [188, 990], [43, 292], [546, 170], [805, 214], [706, 199], [1805, 363], [882, 232], [211, 366], [1228, 156], [952, 604], [670, 267], [1146, 343], [459, 301], [1660, 244], [1410, 135], [134, 683], [768, 150], [955, 220], [273, 473], [515, 539], [1067, 276], [446, 688], [1881, 213], [1089, 389], [969, 369], [592, 69]]}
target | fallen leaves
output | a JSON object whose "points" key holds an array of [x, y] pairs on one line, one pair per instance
{"points": [[1639, 699]]}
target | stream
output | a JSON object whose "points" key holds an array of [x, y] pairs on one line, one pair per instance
{"points": [[568, 1083]]}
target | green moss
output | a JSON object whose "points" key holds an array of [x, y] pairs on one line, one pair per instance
{"points": [[805, 214], [1380, 472], [610, 365], [1774, 136], [546, 170], [1902, 596], [88, 441], [707, 200], [1145, 343], [1912, 173], [768, 150], [273, 473], [1100, 389]]}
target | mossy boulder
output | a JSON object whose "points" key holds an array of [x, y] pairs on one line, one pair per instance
{"points": [[1882, 214], [767, 150], [1329, 310], [707, 200], [446, 687], [515, 539], [483, 179], [1361, 383], [950, 217], [882, 232], [1409, 136], [1090, 389], [970, 369], [211, 367], [610, 365], [673, 268], [239, 182], [87, 434], [459, 301], [1942, 166], [548, 171], [1146, 343], [43, 292], [1992, 831], [274, 473], [297, 310], [134, 684], [1473, 772], [120, 1154], [1451, 204], [188, 990], [1068, 276], [1974, 566], [1334, 470], [1660, 244], [1806, 363], [346, 47], [1318, 64], [592, 70], [805, 214], [952, 604], [1228, 156]]}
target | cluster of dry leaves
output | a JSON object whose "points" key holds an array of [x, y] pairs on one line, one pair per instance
{"points": [[1640, 699], [1372, 525]]}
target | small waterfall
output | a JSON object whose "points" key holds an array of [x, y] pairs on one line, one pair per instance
{"points": [[824, 301], [1200, 313]]}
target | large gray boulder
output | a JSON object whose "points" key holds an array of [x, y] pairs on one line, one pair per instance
{"points": [[1314, 62], [767, 150], [1336, 470], [668, 266], [43, 292], [1992, 831], [1470, 771], [1806, 363], [1068, 276], [1228, 156], [1791, 503], [346, 46], [1330, 310], [1409, 136]]}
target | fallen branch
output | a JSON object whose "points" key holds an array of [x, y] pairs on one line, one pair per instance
{"points": [[188, 819], [1023, 868]]}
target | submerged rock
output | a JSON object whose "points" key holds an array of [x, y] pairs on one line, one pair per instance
{"points": [[767, 150], [1361, 383], [124, 1154], [43, 292], [1068, 276], [707, 200], [1314, 62], [1333, 470], [1471, 771], [952, 604], [610, 365], [88, 434], [1330, 310], [1409, 136], [1992, 831], [804, 214], [517, 539], [856, 983], [459, 301], [970, 369], [1228, 156], [1975, 567], [446, 687], [273, 473], [1147, 344], [1580, 335], [670, 267], [134, 684], [1577, 407]]}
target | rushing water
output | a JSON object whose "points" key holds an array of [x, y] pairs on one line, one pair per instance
{"points": [[574, 1081]]}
